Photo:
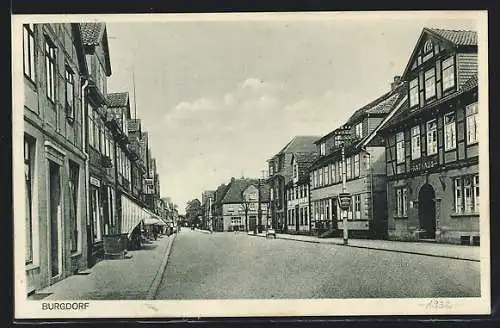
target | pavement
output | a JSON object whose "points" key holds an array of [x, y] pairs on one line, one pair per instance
{"points": [[461, 252], [226, 265], [134, 278]]}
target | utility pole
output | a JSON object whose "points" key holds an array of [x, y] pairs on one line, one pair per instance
{"points": [[135, 99]]}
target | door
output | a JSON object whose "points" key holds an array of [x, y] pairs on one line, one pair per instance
{"points": [[55, 218], [427, 211]]}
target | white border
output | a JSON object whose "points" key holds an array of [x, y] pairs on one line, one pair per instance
{"points": [[25, 309]]}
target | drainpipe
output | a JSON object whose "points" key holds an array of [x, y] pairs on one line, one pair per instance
{"points": [[371, 182], [87, 159]]}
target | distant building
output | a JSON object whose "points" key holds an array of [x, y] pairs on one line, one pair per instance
{"points": [[239, 206], [280, 174], [432, 145], [297, 193]]}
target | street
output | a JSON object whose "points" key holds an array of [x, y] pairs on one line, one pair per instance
{"points": [[238, 266]]}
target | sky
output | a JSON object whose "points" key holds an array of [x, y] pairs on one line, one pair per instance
{"points": [[220, 97]]}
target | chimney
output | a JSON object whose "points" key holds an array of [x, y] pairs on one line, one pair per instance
{"points": [[395, 83]]}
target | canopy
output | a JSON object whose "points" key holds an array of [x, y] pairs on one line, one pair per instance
{"points": [[153, 220], [132, 215]]}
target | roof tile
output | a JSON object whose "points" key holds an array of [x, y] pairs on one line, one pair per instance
{"points": [[458, 37], [118, 99]]}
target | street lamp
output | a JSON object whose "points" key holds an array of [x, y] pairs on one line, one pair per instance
{"points": [[344, 198]]}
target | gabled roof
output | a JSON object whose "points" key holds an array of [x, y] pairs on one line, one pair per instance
{"points": [[300, 144], [382, 105], [236, 187], [80, 52], [220, 193], [93, 34], [453, 38], [304, 161], [458, 37]]}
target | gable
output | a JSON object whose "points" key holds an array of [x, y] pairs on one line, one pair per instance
{"points": [[428, 46]]}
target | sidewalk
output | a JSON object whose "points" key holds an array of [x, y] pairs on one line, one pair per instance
{"points": [[133, 278], [469, 253]]}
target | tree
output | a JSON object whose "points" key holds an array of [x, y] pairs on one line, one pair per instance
{"points": [[194, 212]]}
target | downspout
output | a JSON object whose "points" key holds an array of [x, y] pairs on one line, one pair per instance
{"points": [[371, 183], [87, 158]]}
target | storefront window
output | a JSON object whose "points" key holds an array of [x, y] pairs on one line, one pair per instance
{"points": [[466, 194]]}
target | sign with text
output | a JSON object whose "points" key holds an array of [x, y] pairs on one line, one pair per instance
{"points": [[344, 200]]}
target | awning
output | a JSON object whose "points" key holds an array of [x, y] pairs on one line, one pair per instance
{"points": [[153, 221], [132, 215]]}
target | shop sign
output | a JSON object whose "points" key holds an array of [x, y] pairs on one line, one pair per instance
{"points": [[94, 181], [344, 200], [424, 164]]}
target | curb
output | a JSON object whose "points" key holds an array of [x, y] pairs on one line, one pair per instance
{"points": [[380, 249], [153, 289]]}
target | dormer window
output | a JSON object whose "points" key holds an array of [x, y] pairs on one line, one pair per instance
{"points": [[322, 149], [414, 92]]}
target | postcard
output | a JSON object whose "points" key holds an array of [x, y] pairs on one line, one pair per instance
{"points": [[251, 164]]}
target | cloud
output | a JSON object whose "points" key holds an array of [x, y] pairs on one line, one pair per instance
{"points": [[208, 140]]}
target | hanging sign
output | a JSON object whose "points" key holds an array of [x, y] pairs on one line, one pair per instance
{"points": [[344, 200]]}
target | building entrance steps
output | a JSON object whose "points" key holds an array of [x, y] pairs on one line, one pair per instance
{"points": [[134, 278], [460, 252]]}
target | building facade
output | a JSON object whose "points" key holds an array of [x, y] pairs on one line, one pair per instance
{"points": [[355, 152], [280, 174], [54, 153], [245, 205], [100, 141], [432, 145], [297, 193]]}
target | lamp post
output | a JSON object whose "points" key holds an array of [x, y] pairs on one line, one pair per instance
{"points": [[344, 199]]}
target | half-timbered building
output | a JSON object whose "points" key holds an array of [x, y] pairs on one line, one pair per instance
{"points": [[432, 144]]}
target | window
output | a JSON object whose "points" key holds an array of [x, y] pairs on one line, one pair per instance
{"points": [[400, 147], [356, 165], [28, 178], [73, 205], [348, 168], [431, 137], [449, 131], [50, 68], [448, 69], [295, 170], [301, 211], [415, 142], [339, 171], [70, 95], [414, 92], [401, 202], [296, 192], [326, 175], [306, 213], [333, 172], [320, 173], [356, 207], [467, 194], [430, 83], [359, 130], [472, 123], [322, 149], [29, 51]]}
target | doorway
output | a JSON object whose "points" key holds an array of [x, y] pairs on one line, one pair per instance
{"points": [[427, 211], [55, 218]]}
